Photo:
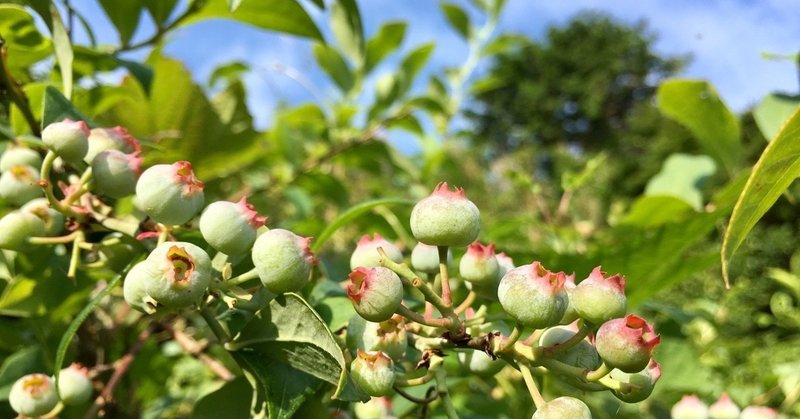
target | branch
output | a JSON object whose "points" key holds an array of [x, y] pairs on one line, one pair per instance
{"points": [[16, 93]]}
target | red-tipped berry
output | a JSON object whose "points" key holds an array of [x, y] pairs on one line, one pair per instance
{"points": [[504, 264], [445, 218], [68, 139], [758, 412], [562, 408], [230, 227], [117, 138], [724, 408], [33, 395], [599, 298], [626, 343], [689, 407], [20, 184], [642, 383], [479, 265], [116, 173], [533, 295], [283, 260], [366, 253], [375, 292], [179, 274], [74, 385], [170, 193], [373, 372]]}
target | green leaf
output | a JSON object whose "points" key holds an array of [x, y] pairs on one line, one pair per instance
{"points": [[57, 108], [773, 111], [228, 72], [25, 45], [696, 105], [412, 64], [69, 334], [63, 50], [776, 169], [287, 352], [682, 176], [388, 39], [160, 9], [348, 30], [336, 311], [277, 15], [351, 214], [651, 211], [457, 18], [334, 66], [407, 122], [231, 401], [124, 15], [233, 5]]}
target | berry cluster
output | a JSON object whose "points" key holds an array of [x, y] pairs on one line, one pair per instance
{"points": [[36, 394], [581, 332], [691, 407]]}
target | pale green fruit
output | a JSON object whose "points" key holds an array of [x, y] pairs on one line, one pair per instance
{"points": [[20, 184], [283, 260], [366, 252], [445, 218], [376, 293], [74, 385], [16, 227], [170, 193], [563, 408], [68, 139], [33, 395], [373, 372], [52, 219], [230, 227], [20, 156], [116, 173], [533, 295], [179, 274]]}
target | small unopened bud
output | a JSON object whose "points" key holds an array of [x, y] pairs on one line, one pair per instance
{"points": [[724, 408], [74, 385], [479, 265], [758, 412]]}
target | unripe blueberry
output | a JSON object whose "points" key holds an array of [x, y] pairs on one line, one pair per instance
{"points": [[480, 363], [582, 354], [179, 274], [597, 298], [74, 385], [626, 343], [16, 227], [134, 288], [425, 258], [570, 315], [689, 407], [562, 408], [375, 408], [68, 139], [388, 336], [533, 295], [117, 138], [170, 193], [479, 265], [116, 173], [20, 184], [504, 264], [375, 292], [373, 372], [52, 219], [366, 253], [33, 395], [283, 260], [643, 381], [758, 412], [724, 408], [445, 218], [230, 227], [20, 156]]}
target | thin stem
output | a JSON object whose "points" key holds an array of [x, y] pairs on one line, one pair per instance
{"points": [[468, 300], [415, 399], [512, 339], [82, 188], [239, 280], [538, 400], [446, 297], [441, 388], [163, 233], [572, 341], [599, 373], [214, 324], [54, 240], [419, 318], [162, 30], [75, 258], [413, 382]]}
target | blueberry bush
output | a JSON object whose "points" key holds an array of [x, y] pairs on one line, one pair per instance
{"points": [[164, 257]]}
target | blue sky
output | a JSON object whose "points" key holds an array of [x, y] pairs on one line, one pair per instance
{"points": [[726, 40]]}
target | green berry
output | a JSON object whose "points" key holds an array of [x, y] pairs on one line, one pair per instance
{"points": [[20, 184], [20, 156], [33, 395], [563, 408], [533, 295], [134, 288], [597, 298], [74, 385], [366, 253], [376, 293], [116, 173], [178, 274], [283, 260], [16, 227], [582, 354], [626, 343], [52, 219], [480, 363], [117, 138], [724, 408], [373, 372], [388, 336], [230, 227], [642, 384], [375, 408], [445, 218], [479, 265], [68, 139], [425, 258], [170, 193]]}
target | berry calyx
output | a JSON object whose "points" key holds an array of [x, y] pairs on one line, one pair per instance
{"points": [[533, 295], [445, 218], [179, 274], [283, 260], [376, 293], [626, 343]]}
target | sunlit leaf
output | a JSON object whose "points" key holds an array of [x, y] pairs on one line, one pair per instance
{"points": [[773, 111], [682, 176], [696, 105], [348, 30], [25, 45], [386, 41], [352, 214], [124, 15], [776, 169], [277, 15], [63, 50], [457, 18], [334, 66]]}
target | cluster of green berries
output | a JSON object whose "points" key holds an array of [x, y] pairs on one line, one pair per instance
{"points": [[36, 395], [531, 295], [691, 407]]}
